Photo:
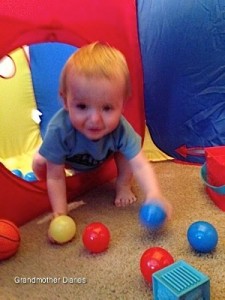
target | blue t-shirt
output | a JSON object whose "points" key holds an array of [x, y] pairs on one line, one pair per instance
{"points": [[63, 144]]}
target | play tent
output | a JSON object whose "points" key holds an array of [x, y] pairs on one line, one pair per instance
{"points": [[176, 55], [73, 23]]}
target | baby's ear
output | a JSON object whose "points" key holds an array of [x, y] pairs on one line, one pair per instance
{"points": [[64, 100]]}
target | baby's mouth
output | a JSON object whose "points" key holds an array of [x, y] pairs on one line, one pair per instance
{"points": [[94, 129]]}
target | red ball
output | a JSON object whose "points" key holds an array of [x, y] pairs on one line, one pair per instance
{"points": [[154, 259], [9, 239], [96, 237]]}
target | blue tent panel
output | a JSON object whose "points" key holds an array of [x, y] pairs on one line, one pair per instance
{"points": [[47, 61], [183, 52]]}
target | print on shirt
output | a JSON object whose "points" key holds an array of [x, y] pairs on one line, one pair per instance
{"points": [[87, 160]]}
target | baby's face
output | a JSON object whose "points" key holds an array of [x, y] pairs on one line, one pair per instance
{"points": [[94, 105]]}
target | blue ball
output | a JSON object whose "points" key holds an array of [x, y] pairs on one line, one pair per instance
{"points": [[152, 215], [17, 172], [202, 236], [30, 176]]}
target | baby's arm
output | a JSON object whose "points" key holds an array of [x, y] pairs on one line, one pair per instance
{"points": [[146, 177], [56, 184]]}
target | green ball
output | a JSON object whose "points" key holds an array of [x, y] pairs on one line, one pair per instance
{"points": [[62, 229]]}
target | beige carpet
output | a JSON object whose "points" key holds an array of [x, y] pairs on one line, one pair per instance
{"points": [[115, 274]]}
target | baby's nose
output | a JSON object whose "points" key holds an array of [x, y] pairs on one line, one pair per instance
{"points": [[96, 117]]}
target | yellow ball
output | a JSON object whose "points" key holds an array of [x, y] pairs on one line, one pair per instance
{"points": [[62, 229]]}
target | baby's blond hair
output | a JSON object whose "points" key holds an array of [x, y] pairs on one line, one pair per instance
{"points": [[97, 60]]}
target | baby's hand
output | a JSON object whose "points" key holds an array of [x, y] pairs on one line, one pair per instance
{"points": [[50, 216]]}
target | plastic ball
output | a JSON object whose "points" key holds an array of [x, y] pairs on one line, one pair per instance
{"points": [[30, 176], [152, 215], [96, 237], [9, 239], [154, 259], [202, 236], [62, 229], [17, 172]]}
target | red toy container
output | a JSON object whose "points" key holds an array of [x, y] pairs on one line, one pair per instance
{"points": [[213, 174]]}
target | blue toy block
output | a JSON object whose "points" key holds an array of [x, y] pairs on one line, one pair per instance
{"points": [[180, 281]]}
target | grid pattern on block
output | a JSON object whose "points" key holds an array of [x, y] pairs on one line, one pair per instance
{"points": [[180, 281]]}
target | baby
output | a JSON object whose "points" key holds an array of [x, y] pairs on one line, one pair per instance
{"points": [[90, 128]]}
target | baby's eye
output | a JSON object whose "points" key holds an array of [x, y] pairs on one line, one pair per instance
{"points": [[81, 106], [107, 108]]}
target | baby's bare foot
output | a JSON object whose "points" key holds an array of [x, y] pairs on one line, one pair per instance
{"points": [[124, 196]]}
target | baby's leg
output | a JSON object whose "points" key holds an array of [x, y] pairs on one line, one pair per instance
{"points": [[124, 194], [39, 166]]}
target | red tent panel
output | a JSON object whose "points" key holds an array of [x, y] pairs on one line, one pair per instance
{"points": [[77, 23]]}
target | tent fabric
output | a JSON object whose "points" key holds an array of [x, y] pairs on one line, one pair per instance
{"points": [[19, 133], [46, 63], [183, 53], [23, 201], [31, 21]]}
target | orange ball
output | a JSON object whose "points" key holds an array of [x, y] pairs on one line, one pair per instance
{"points": [[9, 239]]}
